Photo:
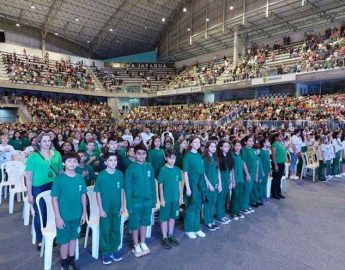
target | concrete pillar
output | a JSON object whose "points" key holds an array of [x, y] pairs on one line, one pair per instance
{"points": [[245, 45], [209, 97], [113, 103], [43, 45], [235, 54]]}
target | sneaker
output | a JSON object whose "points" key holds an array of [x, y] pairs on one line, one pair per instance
{"points": [[165, 243], [200, 234], [215, 226], [246, 211], [137, 251], [190, 235], [144, 248], [106, 259], [115, 256], [223, 220], [172, 240], [251, 210], [255, 205], [259, 204], [240, 216], [210, 227], [71, 262], [235, 218], [337, 175]]}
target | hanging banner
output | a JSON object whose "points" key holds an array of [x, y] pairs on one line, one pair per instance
{"points": [[187, 90]]}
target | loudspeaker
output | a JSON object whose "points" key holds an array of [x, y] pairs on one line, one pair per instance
{"points": [[2, 37]]}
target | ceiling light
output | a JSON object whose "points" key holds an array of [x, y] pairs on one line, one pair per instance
{"points": [[207, 19], [163, 19], [88, 41], [188, 29], [231, 7], [111, 30], [56, 34], [32, 7], [17, 24], [184, 9], [76, 19]]}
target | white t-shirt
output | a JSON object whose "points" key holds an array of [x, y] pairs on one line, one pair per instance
{"points": [[128, 137], [327, 151], [297, 141], [337, 145], [6, 153], [145, 137]]}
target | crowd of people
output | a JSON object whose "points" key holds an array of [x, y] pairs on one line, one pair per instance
{"points": [[212, 160], [45, 72]]}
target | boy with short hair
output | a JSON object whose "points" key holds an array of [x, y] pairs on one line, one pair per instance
{"points": [[85, 170], [110, 199], [69, 204], [140, 188], [92, 157], [170, 193]]}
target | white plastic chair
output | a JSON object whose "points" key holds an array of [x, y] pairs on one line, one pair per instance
{"points": [[16, 183], [268, 187], [284, 180], [4, 184], [154, 210], [92, 222], [309, 165], [49, 230], [19, 156]]}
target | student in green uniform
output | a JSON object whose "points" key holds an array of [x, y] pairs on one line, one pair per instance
{"points": [[129, 159], [155, 155], [213, 184], [182, 146], [193, 171], [240, 168], [69, 204], [264, 157], [17, 141], [85, 170], [110, 198], [226, 173], [250, 157], [140, 188], [42, 166], [121, 152], [92, 157], [83, 144], [171, 197]]}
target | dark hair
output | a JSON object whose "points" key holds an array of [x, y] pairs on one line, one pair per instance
{"points": [[153, 141], [206, 154], [81, 152], [274, 137], [191, 139], [70, 155], [140, 147], [335, 134], [225, 162], [170, 152], [246, 138], [112, 138], [262, 141], [110, 154]]}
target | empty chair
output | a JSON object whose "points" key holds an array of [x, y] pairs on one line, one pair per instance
{"points": [[49, 229], [4, 184], [16, 183], [92, 221], [308, 165]]}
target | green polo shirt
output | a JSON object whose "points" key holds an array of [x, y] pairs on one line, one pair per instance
{"points": [[193, 164], [238, 168], [157, 159], [211, 170], [110, 187], [90, 177], [170, 179], [280, 152], [41, 171], [68, 191], [250, 157]]}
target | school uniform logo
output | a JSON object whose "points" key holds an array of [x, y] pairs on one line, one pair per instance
{"points": [[118, 185], [148, 174], [80, 187], [176, 178]]}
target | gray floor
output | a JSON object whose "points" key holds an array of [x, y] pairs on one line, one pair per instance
{"points": [[305, 231]]}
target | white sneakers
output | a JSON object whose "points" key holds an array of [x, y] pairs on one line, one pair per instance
{"points": [[140, 250], [200, 234], [294, 177], [338, 176], [190, 235], [193, 235]]}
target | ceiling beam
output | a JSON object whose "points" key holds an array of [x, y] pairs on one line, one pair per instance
{"points": [[51, 15], [112, 22]]}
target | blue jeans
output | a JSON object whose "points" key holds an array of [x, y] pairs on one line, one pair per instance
{"points": [[293, 165], [35, 192]]}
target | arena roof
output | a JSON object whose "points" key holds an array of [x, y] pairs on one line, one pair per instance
{"points": [[121, 27], [107, 28]]}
